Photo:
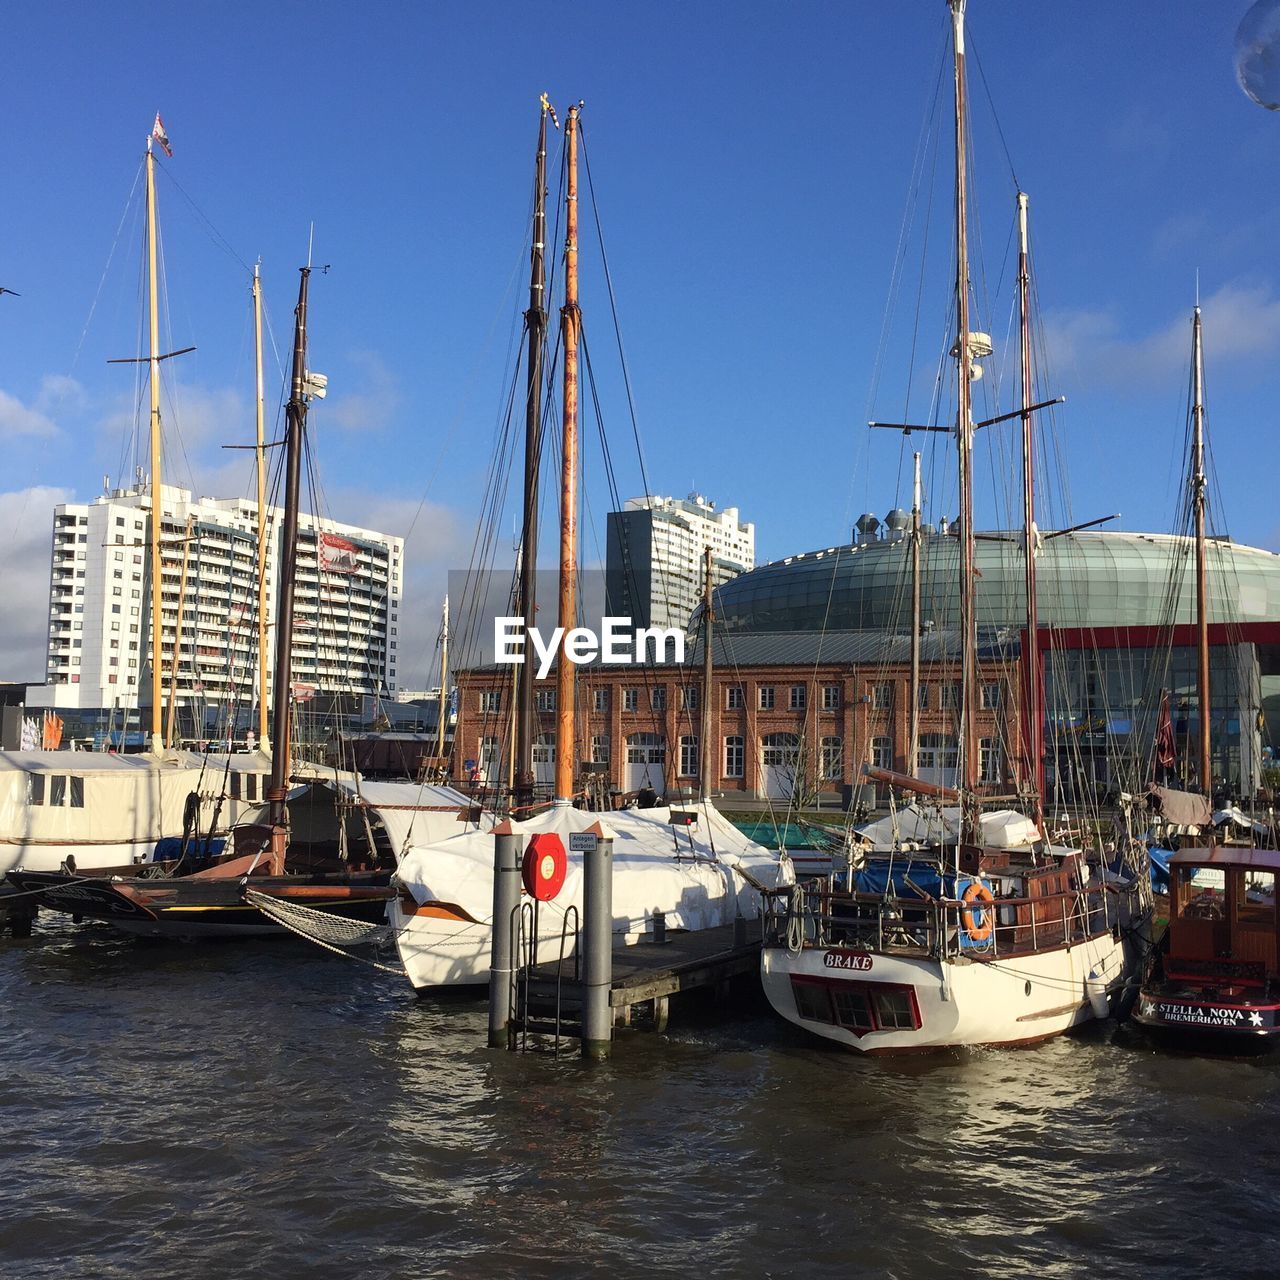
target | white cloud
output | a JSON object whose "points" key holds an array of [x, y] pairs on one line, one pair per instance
{"points": [[1241, 321], [26, 524], [18, 419]]}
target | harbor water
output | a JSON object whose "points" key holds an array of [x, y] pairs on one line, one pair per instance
{"points": [[269, 1110]]}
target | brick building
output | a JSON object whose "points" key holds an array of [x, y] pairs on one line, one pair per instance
{"points": [[792, 714]]}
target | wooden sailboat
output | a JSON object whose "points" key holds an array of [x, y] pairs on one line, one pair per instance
{"points": [[695, 870], [323, 873], [986, 934], [1214, 978]]}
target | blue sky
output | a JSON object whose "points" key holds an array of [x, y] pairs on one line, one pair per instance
{"points": [[753, 163]]}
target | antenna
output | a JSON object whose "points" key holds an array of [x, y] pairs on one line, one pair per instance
{"points": [[311, 239]]}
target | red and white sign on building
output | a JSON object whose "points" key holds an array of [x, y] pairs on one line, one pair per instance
{"points": [[338, 555], [302, 692]]}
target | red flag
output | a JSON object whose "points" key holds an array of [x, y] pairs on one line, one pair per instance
{"points": [[1166, 752], [158, 133]]}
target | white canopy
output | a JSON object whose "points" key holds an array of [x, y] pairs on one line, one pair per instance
{"points": [[699, 875], [916, 827]]}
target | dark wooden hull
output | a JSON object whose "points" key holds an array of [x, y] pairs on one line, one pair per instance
{"points": [[198, 907]]}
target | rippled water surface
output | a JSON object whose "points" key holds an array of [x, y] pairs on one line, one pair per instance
{"points": [[265, 1109]]}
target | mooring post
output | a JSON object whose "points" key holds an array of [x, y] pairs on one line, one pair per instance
{"points": [[506, 897], [597, 929]]}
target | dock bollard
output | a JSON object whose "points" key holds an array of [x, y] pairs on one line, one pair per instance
{"points": [[739, 931], [506, 897], [597, 932], [659, 926]]}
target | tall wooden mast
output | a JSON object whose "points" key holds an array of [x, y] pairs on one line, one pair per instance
{"points": [[913, 743], [264, 743], [295, 421], [1198, 498], [536, 328], [153, 361], [1033, 697], [708, 690], [964, 448], [571, 321]]}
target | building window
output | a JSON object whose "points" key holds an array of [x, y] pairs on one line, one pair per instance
{"points": [[939, 751], [600, 749], [735, 757], [831, 697], [689, 756], [832, 758], [689, 697], [882, 696], [490, 701], [658, 698], [600, 700], [546, 699], [797, 697], [922, 697], [734, 699], [991, 760], [630, 699], [881, 753], [950, 695], [990, 697], [544, 749], [766, 697]]}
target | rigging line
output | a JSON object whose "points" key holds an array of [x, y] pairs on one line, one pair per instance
{"points": [[613, 308], [982, 75], [214, 234], [97, 293]]}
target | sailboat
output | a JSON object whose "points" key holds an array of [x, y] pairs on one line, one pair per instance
{"points": [[689, 869], [984, 933], [1213, 980], [97, 811], [318, 847]]}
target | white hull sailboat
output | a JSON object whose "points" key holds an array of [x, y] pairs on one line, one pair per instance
{"points": [[961, 928]]}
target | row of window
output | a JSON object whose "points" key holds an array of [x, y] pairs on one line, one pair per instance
{"points": [[55, 789], [881, 697]]}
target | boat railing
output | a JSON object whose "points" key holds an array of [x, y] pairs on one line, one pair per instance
{"points": [[817, 916]]}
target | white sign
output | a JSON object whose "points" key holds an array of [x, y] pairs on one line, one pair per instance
{"points": [[583, 842]]}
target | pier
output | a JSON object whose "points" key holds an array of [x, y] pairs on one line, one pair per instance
{"points": [[550, 998]]}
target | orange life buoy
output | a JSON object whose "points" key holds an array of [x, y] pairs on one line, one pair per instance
{"points": [[978, 924]]}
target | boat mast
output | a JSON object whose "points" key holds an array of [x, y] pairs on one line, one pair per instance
{"points": [[264, 743], [536, 326], [295, 421], [153, 360], [1198, 496], [913, 744], [708, 617], [571, 322], [1032, 714], [442, 715], [964, 446]]}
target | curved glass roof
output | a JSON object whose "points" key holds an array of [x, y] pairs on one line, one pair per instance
{"points": [[1089, 578]]}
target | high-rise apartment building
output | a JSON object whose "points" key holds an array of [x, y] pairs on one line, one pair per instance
{"points": [[654, 556], [347, 603]]}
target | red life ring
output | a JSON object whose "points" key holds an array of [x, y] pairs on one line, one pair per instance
{"points": [[544, 866], [978, 924]]}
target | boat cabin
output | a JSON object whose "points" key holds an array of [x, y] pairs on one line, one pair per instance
{"points": [[1222, 914]]}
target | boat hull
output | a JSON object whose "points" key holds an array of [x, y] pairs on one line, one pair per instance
{"points": [[1185, 1017], [876, 1002], [194, 907]]}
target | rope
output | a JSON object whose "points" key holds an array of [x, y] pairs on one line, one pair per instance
{"points": [[795, 920]]}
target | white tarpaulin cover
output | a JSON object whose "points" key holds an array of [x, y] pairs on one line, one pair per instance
{"points": [[688, 872], [917, 827]]}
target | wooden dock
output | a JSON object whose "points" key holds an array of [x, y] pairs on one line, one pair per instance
{"points": [[645, 973]]}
